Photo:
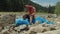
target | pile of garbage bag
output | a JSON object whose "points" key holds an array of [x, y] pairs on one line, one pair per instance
{"points": [[20, 21]]}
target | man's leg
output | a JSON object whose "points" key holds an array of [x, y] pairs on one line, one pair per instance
{"points": [[33, 19]]}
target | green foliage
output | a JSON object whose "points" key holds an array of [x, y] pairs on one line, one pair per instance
{"points": [[57, 8], [3, 4], [51, 9], [11, 5]]}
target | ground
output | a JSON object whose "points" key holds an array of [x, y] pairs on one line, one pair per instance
{"points": [[36, 28]]}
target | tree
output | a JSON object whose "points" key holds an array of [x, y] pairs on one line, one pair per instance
{"points": [[11, 5], [15, 5], [51, 9], [57, 8], [3, 5]]}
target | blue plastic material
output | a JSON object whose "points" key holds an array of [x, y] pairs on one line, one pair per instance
{"points": [[42, 20], [50, 22], [20, 21]]}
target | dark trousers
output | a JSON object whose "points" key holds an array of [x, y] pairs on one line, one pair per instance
{"points": [[27, 16]]}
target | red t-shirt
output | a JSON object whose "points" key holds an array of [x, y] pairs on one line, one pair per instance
{"points": [[30, 9]]}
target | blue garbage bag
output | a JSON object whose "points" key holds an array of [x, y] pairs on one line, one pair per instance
{"points": [[20, 21], [40, 19], [50, 22]]}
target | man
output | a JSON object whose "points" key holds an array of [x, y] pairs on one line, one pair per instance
{"points": [[31, 14]]}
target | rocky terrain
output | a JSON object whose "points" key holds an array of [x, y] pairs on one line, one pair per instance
{"points": [[7, 22]]}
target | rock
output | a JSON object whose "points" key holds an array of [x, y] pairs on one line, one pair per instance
{"points": [[52, 15], [35, 29], [45, 25], [46, 29], [57, 28], [7, 19], [57, 19], [0, 29], [20, 27], [5, 31], [49, 16], [32, 32], [51, 32]]}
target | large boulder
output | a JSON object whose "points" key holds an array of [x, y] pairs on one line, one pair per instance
{"points": [[5, 31], [51, 32], [35, 29], [7, 19]]}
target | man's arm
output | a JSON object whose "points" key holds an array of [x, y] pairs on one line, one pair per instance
{"points": [[30, 19], [34, 9]]}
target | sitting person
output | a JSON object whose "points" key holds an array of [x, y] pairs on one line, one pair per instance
{"points": [[31, 14], [26, 16]]}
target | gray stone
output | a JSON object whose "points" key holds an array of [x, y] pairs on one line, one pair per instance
{"points": [[51, 32], [7, 19], [37, 28], [20, 27], [5, 31]]}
